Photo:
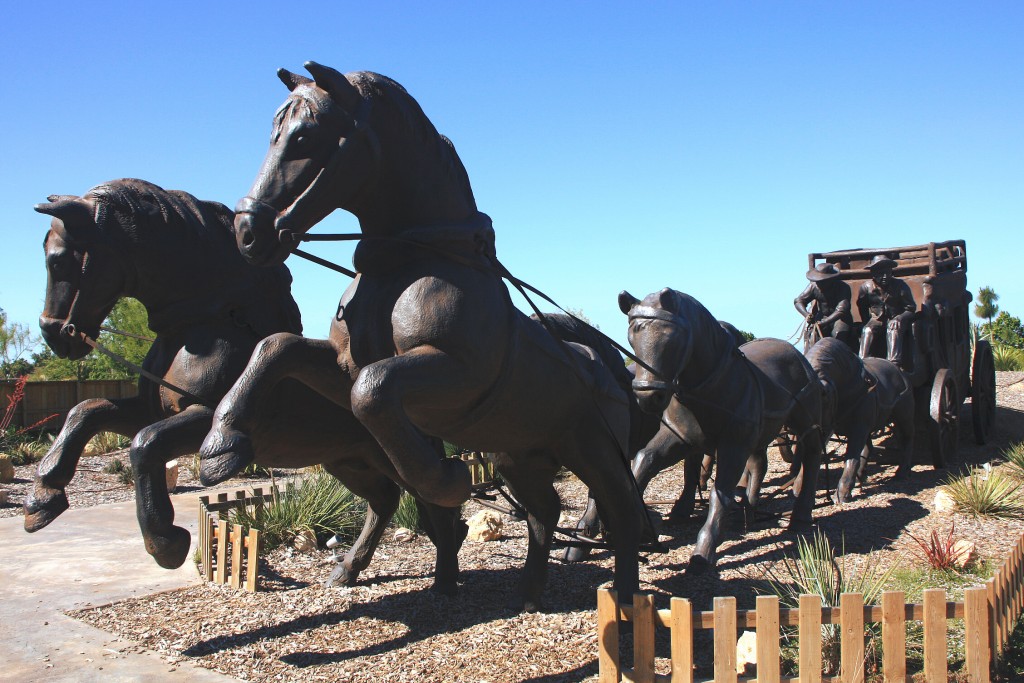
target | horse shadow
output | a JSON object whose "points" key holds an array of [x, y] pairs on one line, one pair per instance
{"points": [[485, 595]]}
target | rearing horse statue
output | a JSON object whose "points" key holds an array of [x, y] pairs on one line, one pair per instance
{"points": [[426, 337]]}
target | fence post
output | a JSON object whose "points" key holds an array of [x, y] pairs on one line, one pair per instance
{"points": [[851, 640], [725, 640], [976, 637], [768, 652], [810, 639], [608, 636], [935, 668], [894, 637], [682, 641], [643, 638]]}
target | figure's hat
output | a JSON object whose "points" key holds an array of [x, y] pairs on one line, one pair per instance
{"points": [[822, 271], [881, 262]]}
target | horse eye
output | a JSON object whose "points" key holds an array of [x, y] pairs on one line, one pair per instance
{"points": [[301, 140]]}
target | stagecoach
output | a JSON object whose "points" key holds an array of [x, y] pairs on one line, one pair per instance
{"points": [[946, 364]]}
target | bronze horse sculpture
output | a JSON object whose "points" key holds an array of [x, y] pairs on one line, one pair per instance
{"points": [[861, 397], [426, 340], [208, 308], [740, 396]]}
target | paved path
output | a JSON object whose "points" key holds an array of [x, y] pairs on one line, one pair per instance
{"points": [[89, 556]]}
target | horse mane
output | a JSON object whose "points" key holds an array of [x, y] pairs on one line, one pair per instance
{"points": [[836, 363], [567, 328], [683, 305], [128, 209], [378, 87]]}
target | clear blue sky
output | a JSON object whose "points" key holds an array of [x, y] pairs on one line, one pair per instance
{"points": [[706, 147]]}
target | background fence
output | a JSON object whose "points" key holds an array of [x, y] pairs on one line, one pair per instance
{"points": [[59, 396], [989, 613]]}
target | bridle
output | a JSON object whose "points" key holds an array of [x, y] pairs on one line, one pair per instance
{"points": [[652, 313], [360, 131]]}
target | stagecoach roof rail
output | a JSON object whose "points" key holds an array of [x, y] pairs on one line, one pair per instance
{"points": [[925, 259]]}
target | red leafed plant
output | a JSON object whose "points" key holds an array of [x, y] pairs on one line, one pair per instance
{"points": [[6, 433], [939, 552]]}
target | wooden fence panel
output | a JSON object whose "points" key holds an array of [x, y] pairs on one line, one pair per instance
{"points": [[608, 636], [43, 399], [935, 634], [894, 637], [851, 654], [725, 640], [682, 641], [643, 638], [810, 639]]}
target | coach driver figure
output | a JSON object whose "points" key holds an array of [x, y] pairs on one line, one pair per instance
{"points": [[885, 302]]}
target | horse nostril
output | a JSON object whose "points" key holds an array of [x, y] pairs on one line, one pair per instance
{"points": [[247, 238]]}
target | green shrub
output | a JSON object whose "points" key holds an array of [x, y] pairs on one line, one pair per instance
{"points": [[108, 442], [1015, 459], [124, 472], [986, 494], [319, 504], [407, 515], [1007, 358], [25, 449], [817, 570]]}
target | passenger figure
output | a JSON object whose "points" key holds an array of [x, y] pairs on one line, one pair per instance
{"points": [[825, 305], [885, 302]]}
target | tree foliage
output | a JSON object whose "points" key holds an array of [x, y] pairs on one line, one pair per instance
{"points": [[15, 343], [128, 315], [1005, 330], [986, 307]]}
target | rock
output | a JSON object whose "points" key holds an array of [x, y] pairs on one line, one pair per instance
{"points": [[403, 535], [746, 653], [944, 502], [172, 476], [484, 526], [6, 469], [305, 541], [964, 553], [3, 497]]}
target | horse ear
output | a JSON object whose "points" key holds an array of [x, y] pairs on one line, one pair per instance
{"points": [[68, 208], [292, 80], [627, 301], [334, 83], [666, 298]]}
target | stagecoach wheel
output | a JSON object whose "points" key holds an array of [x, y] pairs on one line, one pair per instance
{"points": [[943, 411], [983, 391]]}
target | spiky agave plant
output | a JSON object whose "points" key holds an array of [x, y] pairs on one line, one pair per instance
{"points": [[986, 494]]}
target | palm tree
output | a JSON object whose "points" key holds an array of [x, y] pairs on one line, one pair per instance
{"points": [[986, 306]]}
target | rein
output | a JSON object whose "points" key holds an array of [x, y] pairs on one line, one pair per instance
{"points": [[69, 330]]}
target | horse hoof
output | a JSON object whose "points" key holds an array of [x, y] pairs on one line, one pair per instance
{"points": [[43, 506], [800, 526], [447, 588], [341, 576], [841, 499], [223, 454], [170, 552], [531, 606], [573, 555]]}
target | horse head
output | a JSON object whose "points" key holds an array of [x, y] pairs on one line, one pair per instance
{"points": [[661, 339], [85, 277], [357, 142]]}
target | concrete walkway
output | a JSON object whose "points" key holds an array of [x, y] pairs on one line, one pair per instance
{"points": [[89, 556]]}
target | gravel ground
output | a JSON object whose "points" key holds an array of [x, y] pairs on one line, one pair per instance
{"points": [[391, 627]]}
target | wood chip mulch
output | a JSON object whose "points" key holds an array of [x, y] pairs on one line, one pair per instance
{"points": [[392, 627]]}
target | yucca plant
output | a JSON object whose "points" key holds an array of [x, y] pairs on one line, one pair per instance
{"points": [[407, 515], [816, 569], [1015, 459], [1007, 358], [124, 472], [108, 442], [319, 504], [986, 494]]}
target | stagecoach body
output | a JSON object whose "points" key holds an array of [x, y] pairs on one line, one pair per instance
{"points": [[945, 363]]}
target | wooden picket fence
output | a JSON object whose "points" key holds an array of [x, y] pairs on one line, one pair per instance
{"points": [[989, 613], [229, 553], [481, 468]]}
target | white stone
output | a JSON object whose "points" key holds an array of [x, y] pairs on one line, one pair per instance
{"points": [[944, 502], [746, 653], [964, 553], [403, 535], [305, 541], [172, 476], [484, 526]]}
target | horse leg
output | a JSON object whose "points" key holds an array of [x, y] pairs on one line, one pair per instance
{"points": [[381, 496], [529, 477], [693, 465], [731, 461], [447, 530], [47, 500], [151, 449], [381, 397], [903, 419], [857, 448], [809, 449], [314, 362], [757, 468]]}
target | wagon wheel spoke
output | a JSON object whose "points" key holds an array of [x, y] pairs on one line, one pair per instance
{"points": [[944, 423], [983, 391]]}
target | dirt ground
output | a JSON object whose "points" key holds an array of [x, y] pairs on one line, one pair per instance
{"points": [[392, 627]]}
